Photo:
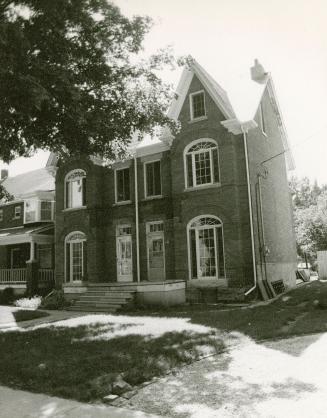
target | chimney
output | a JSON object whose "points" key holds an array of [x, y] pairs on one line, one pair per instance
{"points": [[258, 73], [4, 174]]}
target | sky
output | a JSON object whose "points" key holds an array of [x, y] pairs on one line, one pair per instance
{"points": [[225, 36]]}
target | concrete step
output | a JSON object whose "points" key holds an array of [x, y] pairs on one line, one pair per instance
{"points": [[104, 299], [118, 293], [92, 309], [99, 303], [129, 288]]}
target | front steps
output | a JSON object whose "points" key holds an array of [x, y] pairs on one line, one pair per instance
{"points": [[104, 298]]}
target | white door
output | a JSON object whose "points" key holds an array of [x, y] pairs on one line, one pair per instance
{"points": [[156, 256], [124, 259]]}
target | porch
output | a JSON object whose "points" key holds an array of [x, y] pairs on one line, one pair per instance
{"points": [[26, 257]]}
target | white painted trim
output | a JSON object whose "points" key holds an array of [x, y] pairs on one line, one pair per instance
{"points": [[262, 119], [193, 119], [70, 181], [70, 278], [186, 152], [214, 227], [137, 232]]}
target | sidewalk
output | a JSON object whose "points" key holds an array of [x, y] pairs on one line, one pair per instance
{"points": [[19, 404]]}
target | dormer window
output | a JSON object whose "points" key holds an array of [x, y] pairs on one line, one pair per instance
{"points": [[18, 212], [75, 189], [197, 103]]}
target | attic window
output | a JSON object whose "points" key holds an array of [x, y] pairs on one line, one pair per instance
{"points": [[262, 119], [197, 103]]}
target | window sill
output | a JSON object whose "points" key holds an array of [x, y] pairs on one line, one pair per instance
{"points": [[125, 202], [72, 209], [152, 198], [198, 119], [203, 187]]}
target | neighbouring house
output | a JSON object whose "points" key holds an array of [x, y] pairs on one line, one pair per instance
{"points": [[27, 230], [205, 215]]}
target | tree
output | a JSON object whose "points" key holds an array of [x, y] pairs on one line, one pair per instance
{"points": [[4, 195], [310, 215], [71, 80]]}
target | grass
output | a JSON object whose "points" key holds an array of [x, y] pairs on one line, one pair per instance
{"points": [[27, 315], [66, 362], [301, 311], [57, 362]]}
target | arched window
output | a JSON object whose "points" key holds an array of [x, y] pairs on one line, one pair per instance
{"points": [[75, 256], [206, 248], [201, 163], [75, 189]]}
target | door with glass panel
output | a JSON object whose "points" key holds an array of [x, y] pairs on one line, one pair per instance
{"points": [[75, 257], [156, 251], [206, 249], [124, 254]]}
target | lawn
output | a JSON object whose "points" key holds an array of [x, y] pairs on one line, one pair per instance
{"points": [[81, 357]]}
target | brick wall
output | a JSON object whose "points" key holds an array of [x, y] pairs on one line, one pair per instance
{"points": [[9, 220]]}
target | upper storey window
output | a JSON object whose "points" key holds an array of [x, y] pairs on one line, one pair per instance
{"points": [[197, 103], [75, 189], [122, 185], [152, 179], [201, 163]]}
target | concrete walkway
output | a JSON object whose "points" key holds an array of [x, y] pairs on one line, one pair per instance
{"points": [[284, 378], [19, 404]]}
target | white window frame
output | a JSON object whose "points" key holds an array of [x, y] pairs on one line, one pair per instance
{"points": [[1, 215], [145, 179], [81, 237], [119, 202], [38, 212], [262, 120], [186, 152], [191, 105], [188, 229], [18, 212], [68, 180]]}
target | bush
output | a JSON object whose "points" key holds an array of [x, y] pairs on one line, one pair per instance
{"points": [[55, 300], [7, 296], [32, 303]]}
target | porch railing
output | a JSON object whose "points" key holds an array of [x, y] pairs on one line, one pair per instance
{"points": [[13, 275], [46, 275]]}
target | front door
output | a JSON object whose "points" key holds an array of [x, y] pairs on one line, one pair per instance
{"points": [[156, 251], [124, 259]]}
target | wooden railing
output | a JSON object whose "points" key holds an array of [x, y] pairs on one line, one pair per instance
{"points": [[13, 275], [46, 275]]}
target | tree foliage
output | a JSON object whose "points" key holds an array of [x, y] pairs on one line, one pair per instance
{"points": [[310, 214], [71, 79]]}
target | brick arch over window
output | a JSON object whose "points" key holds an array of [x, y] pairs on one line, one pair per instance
{"points": [[75, 257], [75, 189], [205, 240], [201, 163]]}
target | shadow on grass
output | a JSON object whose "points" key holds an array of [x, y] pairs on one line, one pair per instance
{"points": [[59, 362], [26, 315]]}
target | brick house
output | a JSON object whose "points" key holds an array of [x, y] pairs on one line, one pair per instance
{"points": [[27, 230], [178, 214]]}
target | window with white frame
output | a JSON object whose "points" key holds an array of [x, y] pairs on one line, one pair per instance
{"points": [[1, 215], [18, 212], [122, 180], [75, 256], [206, 248], [262, 119], [38, 210], [152, 178], [201, 163], [75, 189], [197, 104]]}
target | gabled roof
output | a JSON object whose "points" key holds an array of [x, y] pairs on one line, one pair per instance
{"points": [[30, 182], [217, 93]]}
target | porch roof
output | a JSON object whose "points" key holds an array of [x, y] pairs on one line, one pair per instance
{"points": [[38, 234]]}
